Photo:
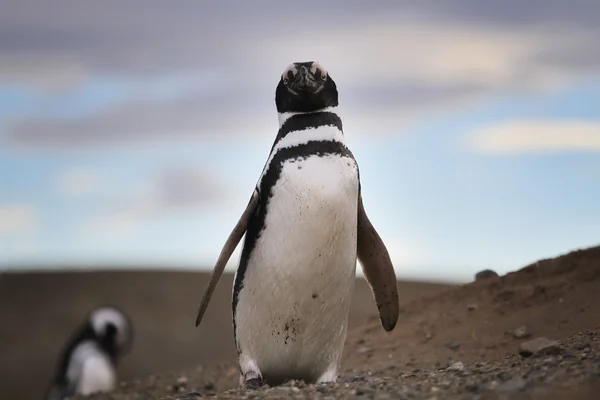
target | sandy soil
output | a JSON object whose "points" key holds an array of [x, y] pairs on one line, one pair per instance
{"points": [[461, 343], [39, 310]]}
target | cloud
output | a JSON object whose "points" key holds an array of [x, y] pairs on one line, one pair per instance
{"points": [[115, 225], [185, 188], [536, 136], [175, 190], [369, 111], [395, 62], [140, 121], [80, 182], [151, 36], [17, 219]]}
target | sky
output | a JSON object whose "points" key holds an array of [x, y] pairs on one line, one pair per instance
{"points": [[132, 134]]}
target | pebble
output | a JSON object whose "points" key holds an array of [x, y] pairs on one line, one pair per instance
{"points": [[540, 346], [453, 346], [472, 387], [485, 274], [521, 333], [355, 378], [472, 307], [457, 366], [505, 375], [190, 395], [182, 380], [512, 385]]}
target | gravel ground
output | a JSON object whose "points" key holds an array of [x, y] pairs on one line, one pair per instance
{"points": [[531, 334], [570, 367]]}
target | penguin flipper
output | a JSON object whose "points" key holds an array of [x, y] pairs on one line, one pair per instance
{"points": [[378, 269], [232, 241]]}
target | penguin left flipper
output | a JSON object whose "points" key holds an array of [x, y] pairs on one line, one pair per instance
{"points": [[378, 269], [232, 241]]}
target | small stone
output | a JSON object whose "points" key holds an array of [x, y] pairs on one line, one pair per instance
{"points": [[355, 378], [182, 380], [540, 346], [505, 375], [322, 388], [596, 370], [453, 346], [209, 386], [485, 274], [512, 385], [472, 387], [521, 333], [472, 307], [457, 366], [190, 395]]}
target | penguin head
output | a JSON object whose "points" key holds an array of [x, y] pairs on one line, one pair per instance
{"points": [[112, 330], [305, 87]]}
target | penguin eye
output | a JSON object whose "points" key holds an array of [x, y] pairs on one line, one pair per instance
{"points": [[285, 80], [323, 76]]}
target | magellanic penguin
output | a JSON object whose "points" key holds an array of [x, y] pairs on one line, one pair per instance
{"points": [[88, 361], [305, 226]]}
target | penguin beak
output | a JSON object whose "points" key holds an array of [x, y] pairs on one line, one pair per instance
{"points": [[305, 81]]}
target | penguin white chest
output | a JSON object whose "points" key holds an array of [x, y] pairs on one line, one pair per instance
{"points": [[292, 310], [91, 370]]}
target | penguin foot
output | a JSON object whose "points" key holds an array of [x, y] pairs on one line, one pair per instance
{"points": [[253, 383], [250, 377]]}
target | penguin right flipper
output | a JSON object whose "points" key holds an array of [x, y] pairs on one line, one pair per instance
{"points": [[234, 238], [378, 269]]}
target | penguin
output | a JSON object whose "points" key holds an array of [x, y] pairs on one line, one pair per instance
{"points": [[88, 361], [305, 227]]}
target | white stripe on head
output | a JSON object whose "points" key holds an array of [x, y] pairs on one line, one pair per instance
{"points": [[102, 317], [290, 68], [315, 65], [294, 70]]}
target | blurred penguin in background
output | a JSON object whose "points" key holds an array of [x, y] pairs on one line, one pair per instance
{"points": [[88, 361]]}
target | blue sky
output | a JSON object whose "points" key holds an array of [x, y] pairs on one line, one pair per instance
{"points": [[477, 134]]}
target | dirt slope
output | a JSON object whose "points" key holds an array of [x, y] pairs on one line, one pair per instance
{"points": [[553, 298]]}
